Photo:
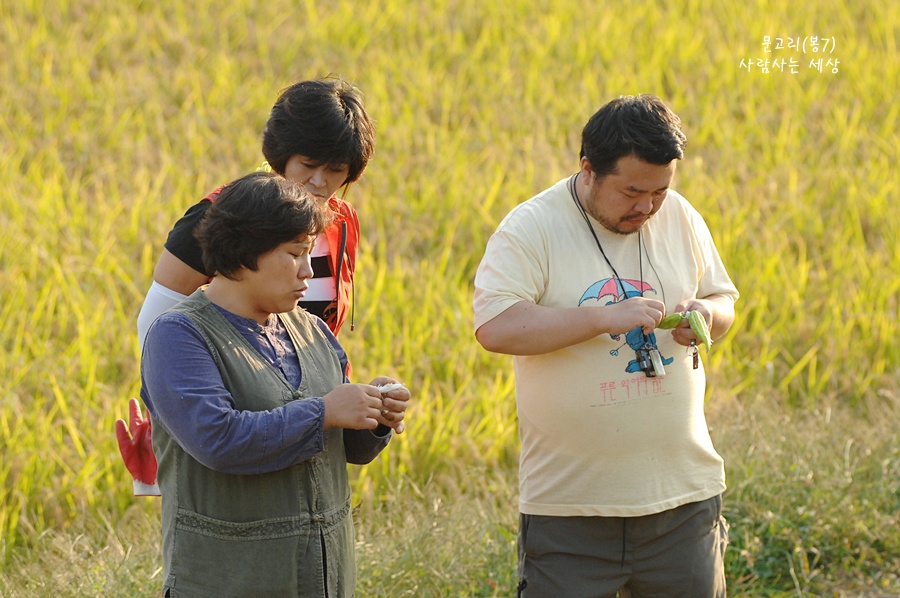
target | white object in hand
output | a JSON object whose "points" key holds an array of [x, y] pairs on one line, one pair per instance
{"points": [[386, 388]]}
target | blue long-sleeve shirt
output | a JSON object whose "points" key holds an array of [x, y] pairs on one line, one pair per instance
{"points": [[185, 393]]}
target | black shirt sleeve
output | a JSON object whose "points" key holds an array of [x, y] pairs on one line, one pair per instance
{"points": [[181, 241]]}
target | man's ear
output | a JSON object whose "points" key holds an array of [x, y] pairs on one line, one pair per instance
{"points": [[587, 173]]}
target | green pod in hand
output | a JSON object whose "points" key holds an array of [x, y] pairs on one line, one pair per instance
{"points": [[700, 327], [671, 320]]}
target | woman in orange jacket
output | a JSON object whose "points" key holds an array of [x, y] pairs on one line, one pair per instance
{"points": [[319, 135]]}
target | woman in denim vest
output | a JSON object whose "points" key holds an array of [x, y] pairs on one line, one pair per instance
{"points": [[254, 420]]}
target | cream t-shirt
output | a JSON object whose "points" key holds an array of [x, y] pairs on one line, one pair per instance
{"points": [[599, 438]]}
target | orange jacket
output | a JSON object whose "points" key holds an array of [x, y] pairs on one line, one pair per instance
{"points": [[343, 242]]}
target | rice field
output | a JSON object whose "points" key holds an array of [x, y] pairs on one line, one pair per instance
{"points": [[116, 116]]}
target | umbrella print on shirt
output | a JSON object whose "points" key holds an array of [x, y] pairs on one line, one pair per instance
{"points": [[617, 290], [620, 290]]}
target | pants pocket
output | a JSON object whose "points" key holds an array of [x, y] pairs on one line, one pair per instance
{"points": [[523, 533]]}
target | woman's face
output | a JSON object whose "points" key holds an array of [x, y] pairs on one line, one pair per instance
{"points": [[320, 180], [280, 278]]}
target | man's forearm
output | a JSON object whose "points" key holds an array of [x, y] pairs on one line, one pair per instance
{"points": [[722, 310], [529, 329]]}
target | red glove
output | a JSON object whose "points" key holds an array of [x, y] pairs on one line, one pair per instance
{"points": [[137, 451]]}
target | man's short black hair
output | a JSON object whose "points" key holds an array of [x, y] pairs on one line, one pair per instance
{"points": [[323, 120], [254, 215], [640, 126]]}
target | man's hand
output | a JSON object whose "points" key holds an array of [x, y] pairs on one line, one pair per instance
{"points": [[631, 313], [136, 447], [717, 310]]}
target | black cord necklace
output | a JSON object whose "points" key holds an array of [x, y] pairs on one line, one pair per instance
{"points": [[647, 355], [574, 194]]}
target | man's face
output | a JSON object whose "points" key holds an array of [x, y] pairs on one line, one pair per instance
{"points": [[625, 199]]}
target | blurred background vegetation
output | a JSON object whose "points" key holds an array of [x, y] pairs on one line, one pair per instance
{"points": [[116, 116]]}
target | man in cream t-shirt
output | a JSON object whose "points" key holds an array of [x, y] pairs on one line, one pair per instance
{"points": [[620, 486]]}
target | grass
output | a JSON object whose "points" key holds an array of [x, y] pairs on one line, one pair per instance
{"points": [[118, 115]]}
